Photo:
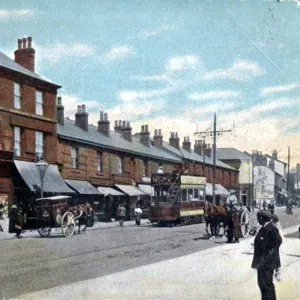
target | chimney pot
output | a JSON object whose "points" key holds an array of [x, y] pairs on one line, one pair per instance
{"points": [[116, 123], [101, 114], [24, 43], [29, 41], [78, 108], [106, 116], [142, 128], [155, 132], [146, 128], [128, 123], [60, 115], [120, 123], [83, 108], [59, 100], [124, 124], [19, 44], [159, 131]]}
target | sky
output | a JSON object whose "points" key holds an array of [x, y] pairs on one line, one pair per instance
{"points": [[172, 64]]}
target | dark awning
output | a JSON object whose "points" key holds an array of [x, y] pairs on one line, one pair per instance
{"points": [[53, 183], [130, 190], [107, 191], [82, 187], [219, 189]]}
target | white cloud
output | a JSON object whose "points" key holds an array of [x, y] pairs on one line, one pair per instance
{"points": [[215, 95], [161, 77], [59, 51], [145, 34], [182, 63], [118, 53], [15, 14], [70, 103], [278, 89], [241, 70]]}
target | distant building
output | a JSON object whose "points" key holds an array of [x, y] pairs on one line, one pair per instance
{"points": [[242, 161]]}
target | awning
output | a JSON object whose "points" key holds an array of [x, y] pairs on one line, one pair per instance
{"points": [[130, 190], [147, 189], [53, 183], [82, 187], [219, 189], [107, 191]]}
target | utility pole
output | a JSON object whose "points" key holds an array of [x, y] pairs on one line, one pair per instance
{"points": [[213, 133], [288, 172]]}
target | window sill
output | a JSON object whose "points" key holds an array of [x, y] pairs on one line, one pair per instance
{"points": [[99, 173], [75, 171]]}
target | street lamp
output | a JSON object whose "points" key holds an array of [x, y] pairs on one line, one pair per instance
{"points": [[42, 167]]}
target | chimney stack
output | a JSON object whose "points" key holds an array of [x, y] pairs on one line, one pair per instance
{"points": [[25, 54], [104, 124], [174, 140], [199, 147], [126, 131], [208, 151], [118, 126], [158, 139], [186, 145], [82, 117], [145, 135], [60, 112]]}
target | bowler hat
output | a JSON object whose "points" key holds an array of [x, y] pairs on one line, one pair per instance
{"points": [[265, 214]]}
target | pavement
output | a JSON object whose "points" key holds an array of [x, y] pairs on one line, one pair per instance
{"points": [[219, 273], [5, 235]]}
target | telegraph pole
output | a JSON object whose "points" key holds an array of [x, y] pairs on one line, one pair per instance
{"points": [[213, 132], [288, 172]]}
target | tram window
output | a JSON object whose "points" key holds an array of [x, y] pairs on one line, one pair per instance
{"points": [[183, 195], [201, 195], [196, 194], [190, 194]]}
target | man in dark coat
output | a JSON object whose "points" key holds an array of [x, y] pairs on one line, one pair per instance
{"points": [[266, 254]]}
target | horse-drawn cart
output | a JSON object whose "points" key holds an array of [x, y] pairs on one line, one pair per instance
{"points": [[244, 222], [53, 212]]}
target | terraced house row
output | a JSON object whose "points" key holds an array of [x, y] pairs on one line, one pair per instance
{"points": [[100, 164]]}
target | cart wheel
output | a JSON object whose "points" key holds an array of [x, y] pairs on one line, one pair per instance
{"points": [[44, 228], [68, 224], [245, 223]]}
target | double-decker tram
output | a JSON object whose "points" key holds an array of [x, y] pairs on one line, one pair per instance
{"points": [[178, 199]]}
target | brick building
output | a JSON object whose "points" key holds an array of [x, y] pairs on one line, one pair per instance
{"points": [[118, 159], [27, 123]]}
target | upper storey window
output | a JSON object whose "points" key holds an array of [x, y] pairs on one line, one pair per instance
{"points": [[38, 103], [17, 96]]}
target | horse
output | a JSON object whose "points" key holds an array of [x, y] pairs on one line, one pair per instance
{"points": [[215, 215]]}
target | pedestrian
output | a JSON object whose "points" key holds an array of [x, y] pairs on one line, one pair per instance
{"points": [[15, 220], [121, 213], [266, 254], [275, 220], [231, 201], [264, 205], [137, 213]]}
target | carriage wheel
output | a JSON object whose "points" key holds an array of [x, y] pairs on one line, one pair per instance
{"points": [[44, 228], [68, 224], [245, 223]]}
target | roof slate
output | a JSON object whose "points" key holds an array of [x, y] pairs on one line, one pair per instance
{"points": [[72, 132], [232, 154], [8, 63], [195, 156]]}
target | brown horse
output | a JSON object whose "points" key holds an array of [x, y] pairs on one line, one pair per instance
{"points": [[215, 216]]}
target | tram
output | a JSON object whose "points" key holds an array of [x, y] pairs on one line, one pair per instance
{"points": [[178, 199]]}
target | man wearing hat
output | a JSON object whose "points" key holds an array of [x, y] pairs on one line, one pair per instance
{"points": [[231, 201], [266, 254]]}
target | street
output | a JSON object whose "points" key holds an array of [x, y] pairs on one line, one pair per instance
{"points": [[33, 264]]}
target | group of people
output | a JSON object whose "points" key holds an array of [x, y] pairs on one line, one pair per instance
{"points": [[121, 214]]}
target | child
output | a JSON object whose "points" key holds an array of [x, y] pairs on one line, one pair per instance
{"points": [[276, 222]]}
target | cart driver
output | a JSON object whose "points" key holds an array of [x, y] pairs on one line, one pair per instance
{"points": [[231, 199]]}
